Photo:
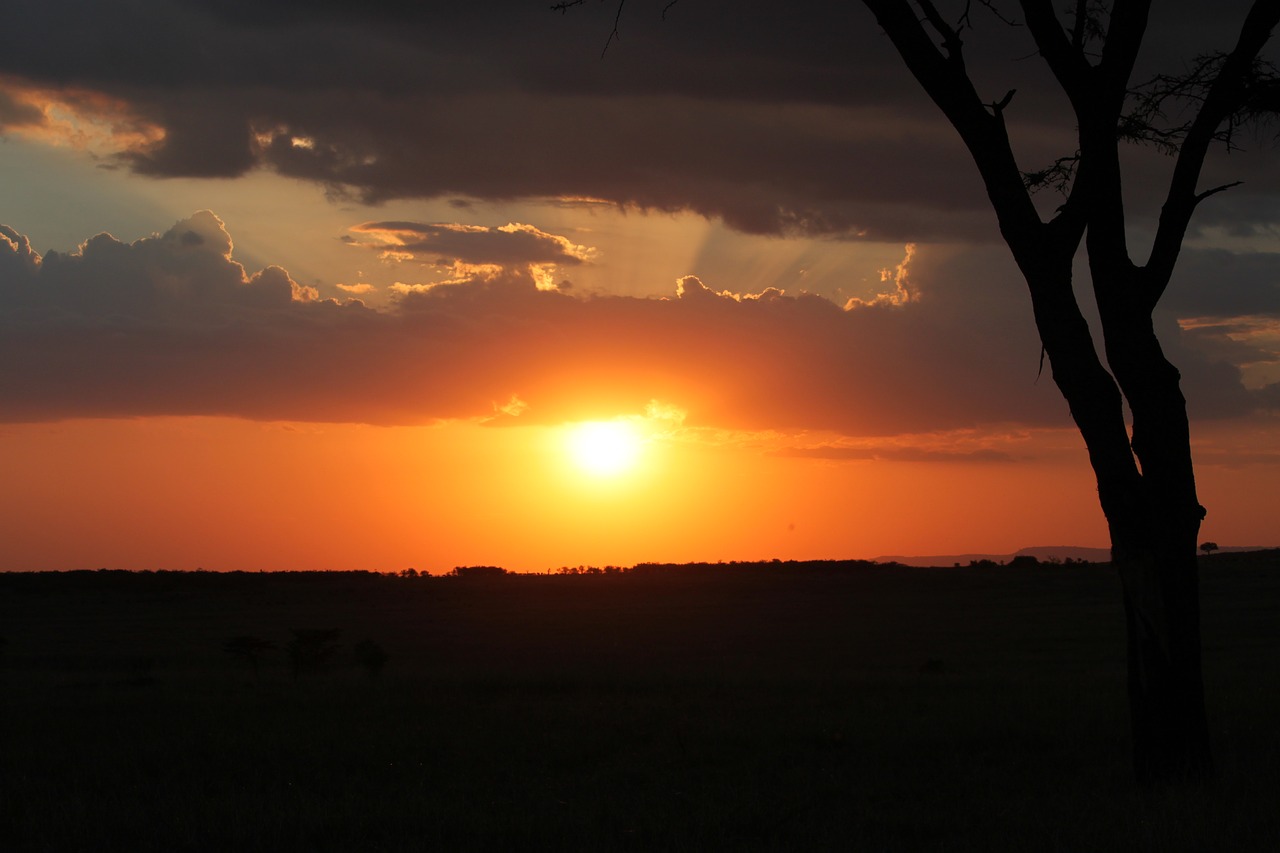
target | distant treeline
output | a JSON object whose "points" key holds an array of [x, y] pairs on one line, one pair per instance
{"points": [[124, 578]]}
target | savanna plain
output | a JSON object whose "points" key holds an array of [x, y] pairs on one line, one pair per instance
{"points": [[778, 706]]}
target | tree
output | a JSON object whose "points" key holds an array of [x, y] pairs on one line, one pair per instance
{"points": [[371, 656], [1146, 483], [1208, 547], [249, 649], [311, 649]]}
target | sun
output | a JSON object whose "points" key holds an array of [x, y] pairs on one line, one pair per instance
{"points": [[604, 448]]}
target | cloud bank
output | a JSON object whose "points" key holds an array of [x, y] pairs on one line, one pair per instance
{"points": [[775, 118], [173, 324]]}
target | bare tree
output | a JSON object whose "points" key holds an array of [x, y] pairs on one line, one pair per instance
{"points": [[1146, 483]]}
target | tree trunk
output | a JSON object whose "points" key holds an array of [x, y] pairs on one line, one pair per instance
{"points": [[1153, 514], [1166, 692], [1153, 546]]}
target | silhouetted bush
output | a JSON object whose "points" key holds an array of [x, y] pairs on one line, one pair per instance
{"points": [[251, 650], [371, 656]]}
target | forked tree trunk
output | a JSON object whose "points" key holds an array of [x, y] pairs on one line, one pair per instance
{"points": [[1153, 547], [1152, 514]]}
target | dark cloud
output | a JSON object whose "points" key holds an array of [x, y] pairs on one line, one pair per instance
{"points": [[1219, 283], [774, 117], [172, 324], [514, 243]]}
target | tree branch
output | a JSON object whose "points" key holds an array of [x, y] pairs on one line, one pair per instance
{"points": [[613, 34], [1226, 96], [1215, 190], [943, 78], [1065, 59], [1127, 26], [565, 5], [950, 35]]}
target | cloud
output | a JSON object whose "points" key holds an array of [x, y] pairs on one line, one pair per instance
{"points": [[902, 290], [173, 324], [513, 243], [796, 124], [775, 119], [1222, 283], [76, 117]]}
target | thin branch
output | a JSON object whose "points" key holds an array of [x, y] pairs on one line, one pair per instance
{"points": [[1057, 176], [1231, 92], [667, 8], [990, 6], [613, 34], [1202, 196], [565, 5]]}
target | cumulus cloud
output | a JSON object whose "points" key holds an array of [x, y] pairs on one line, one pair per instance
{"points": [[173, 324], [902, 292]]}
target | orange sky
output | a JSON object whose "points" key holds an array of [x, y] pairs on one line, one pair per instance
{"points": [[218, 493], [264, 314]]}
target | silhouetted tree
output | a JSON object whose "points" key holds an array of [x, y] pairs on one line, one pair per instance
{"points": [[371, 656], [311, 649], [251, 650], [1208, 547], [1146, 484], [477, 572]]}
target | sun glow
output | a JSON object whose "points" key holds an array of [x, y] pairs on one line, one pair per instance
{"points": [[604, 448]]}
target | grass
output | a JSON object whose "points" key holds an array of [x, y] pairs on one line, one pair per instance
{"points": [[863, 709]]}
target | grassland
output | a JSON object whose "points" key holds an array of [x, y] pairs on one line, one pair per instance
{"points": [[780, 707]]}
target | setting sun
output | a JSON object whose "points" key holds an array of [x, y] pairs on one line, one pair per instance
{"points": [[604, 448]]}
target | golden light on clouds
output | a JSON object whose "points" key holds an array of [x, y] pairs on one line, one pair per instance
{"points": [[76, 118]]}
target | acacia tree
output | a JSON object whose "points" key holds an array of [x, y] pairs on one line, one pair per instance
{"points": [[1146, 482]]}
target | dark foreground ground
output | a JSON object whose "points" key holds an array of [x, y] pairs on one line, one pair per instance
{"points": [[778, 708]]}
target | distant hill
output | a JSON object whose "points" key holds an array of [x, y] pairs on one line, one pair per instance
{"points": [[1040, 552]]}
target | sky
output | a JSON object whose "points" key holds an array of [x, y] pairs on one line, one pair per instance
{"points": [[352, 286]]}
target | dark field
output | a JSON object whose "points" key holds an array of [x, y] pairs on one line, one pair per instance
{"points": [[741, 708]]}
